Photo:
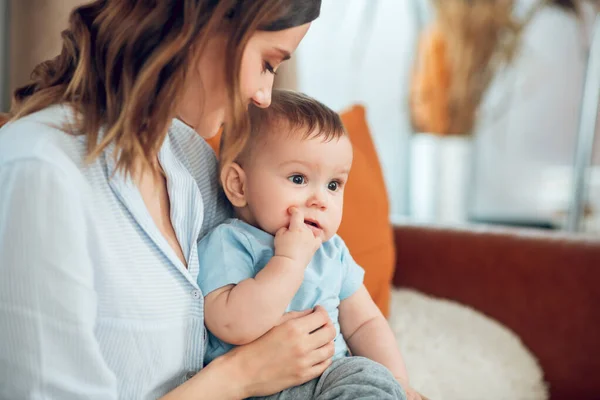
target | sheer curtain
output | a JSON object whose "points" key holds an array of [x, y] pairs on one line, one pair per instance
{"points": [[360, 51], [528, 128]]}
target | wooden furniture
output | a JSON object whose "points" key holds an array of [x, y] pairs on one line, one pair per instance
{"points": [[544, 286]]}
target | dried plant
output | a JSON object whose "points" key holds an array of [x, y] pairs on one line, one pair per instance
{"points": [[459, 55]]}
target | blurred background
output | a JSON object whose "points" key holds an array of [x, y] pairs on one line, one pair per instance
{"points": [[513, 166], [523, 144]]}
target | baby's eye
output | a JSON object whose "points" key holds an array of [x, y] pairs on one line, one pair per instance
{"points": [[297, 179], [333, 186]]}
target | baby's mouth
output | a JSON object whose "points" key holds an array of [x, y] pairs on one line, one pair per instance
{"points": [[312, 223]]}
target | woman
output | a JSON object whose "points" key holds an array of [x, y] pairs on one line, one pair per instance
{"points": [[107, 185]]}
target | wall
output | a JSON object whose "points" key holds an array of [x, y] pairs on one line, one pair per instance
{"points": [[529, 119], [4, 75], [527, 137], [360, 52], [35, 27]]}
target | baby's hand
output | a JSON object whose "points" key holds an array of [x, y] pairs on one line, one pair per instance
{"points": [[297, 242], [411, 394]]}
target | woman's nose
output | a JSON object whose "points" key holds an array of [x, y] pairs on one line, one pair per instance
{"points": [[262, 98]]}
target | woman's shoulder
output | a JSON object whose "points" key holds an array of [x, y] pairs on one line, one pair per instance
{"points": [[43, 136]]}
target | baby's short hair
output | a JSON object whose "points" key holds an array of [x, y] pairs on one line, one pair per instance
{"points": [[292, 113]]}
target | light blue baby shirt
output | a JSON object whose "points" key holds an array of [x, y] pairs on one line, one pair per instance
{"points": [[235, 251]]}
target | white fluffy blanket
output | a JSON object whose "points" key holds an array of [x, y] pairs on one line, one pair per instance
{"points": [[453, 352]]}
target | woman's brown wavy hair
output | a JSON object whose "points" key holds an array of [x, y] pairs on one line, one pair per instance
{"points": [[124, 63]]}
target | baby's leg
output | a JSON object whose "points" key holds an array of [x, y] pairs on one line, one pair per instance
{"points": [[348, 378], [358, 378], [305, 391]]}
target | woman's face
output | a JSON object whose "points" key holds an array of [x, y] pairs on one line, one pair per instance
{"points": [[262, 57], [205, 99]]}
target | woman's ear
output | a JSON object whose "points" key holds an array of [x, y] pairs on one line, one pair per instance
{"points": [[233, 180]]}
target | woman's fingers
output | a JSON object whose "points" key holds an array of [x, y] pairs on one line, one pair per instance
{"points": [[313, 321], [289, 354], [318, 369], [322, 354], [293, 315], [319, 338], [318, 346]]}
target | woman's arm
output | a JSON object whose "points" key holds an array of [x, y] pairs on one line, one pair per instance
{"points": [[220, 380], [290, 354], [47, 299]]}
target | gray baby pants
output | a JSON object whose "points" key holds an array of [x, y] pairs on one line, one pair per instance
{"points": [[345, 379]]}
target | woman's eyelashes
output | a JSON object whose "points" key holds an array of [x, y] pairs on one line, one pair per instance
{"points": [[268, 67]]}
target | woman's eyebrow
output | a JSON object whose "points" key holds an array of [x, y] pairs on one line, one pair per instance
{"points": [[285, 55]]}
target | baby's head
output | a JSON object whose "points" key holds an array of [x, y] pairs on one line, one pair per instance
{"points": [[298, 155]]}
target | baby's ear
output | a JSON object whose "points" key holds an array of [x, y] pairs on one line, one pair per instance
{"points": [[233, 180]]}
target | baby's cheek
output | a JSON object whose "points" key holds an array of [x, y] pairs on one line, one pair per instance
{"points": [[284, 221], [278, 220], [338, 213]]}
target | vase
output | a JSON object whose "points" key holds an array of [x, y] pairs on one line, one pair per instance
{"points": [[440, 177]]}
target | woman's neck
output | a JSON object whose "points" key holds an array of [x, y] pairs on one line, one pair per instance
{"points": [[206, 122], [207, 125]]}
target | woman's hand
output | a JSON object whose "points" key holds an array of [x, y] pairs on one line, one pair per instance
{"points": [[294, 352]]}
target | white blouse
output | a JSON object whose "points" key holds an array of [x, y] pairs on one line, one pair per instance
{"points": [[94, 303]]}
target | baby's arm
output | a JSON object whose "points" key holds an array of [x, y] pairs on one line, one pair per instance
{"points": [[239, 314], [368, 334]]}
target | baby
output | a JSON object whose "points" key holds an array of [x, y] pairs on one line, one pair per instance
{"points": [[282, 252]]}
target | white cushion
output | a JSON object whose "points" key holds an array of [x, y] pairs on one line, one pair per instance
{"points": [[453, 352]]}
